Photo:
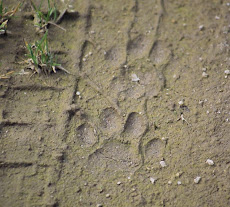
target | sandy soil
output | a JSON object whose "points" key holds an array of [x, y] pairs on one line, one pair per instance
{"points": [[153, 88]]}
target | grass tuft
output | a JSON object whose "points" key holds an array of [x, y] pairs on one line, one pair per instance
{"points": [[40, 58], [41, 19]]}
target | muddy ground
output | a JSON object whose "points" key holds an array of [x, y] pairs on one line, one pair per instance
{"points": [[153, 87]]}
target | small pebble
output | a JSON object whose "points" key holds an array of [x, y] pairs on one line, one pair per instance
{"points": [[204, 75], [99, 205], [204, 69], [135, 78], [209, 162], [179, 183], [201, 102], [181, 103], [227, 72], [170, 182], [217, 17], [197, 180], [78, 93], [164, 138], [133, 189], [201, 27], [107, 195], [163, 164], [179, 174], [153, 180], [119, 182]]}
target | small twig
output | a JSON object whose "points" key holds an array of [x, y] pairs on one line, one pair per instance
{"points": [[57, 26], [63, 69], [12, 12], [60, 16], [182, 119], [6, 76]]}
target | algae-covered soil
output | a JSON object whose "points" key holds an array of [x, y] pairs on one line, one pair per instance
{"points": [[145, 106]]}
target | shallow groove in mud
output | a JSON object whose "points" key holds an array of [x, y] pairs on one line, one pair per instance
{"points": [[4, 164], [35, 88]]}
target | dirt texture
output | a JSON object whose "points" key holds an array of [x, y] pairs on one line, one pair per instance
{"points": [[145, 106]]}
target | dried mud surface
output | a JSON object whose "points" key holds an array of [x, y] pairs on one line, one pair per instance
{"points": [[104, 147]]}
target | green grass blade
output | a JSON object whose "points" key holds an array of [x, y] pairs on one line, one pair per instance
{"points": [[43, 58], [40, 5], [43, 38], [1, 8], [31, 54], [55, 10], [46, 46], [49, 4], [55, 14], [34, 6]]}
